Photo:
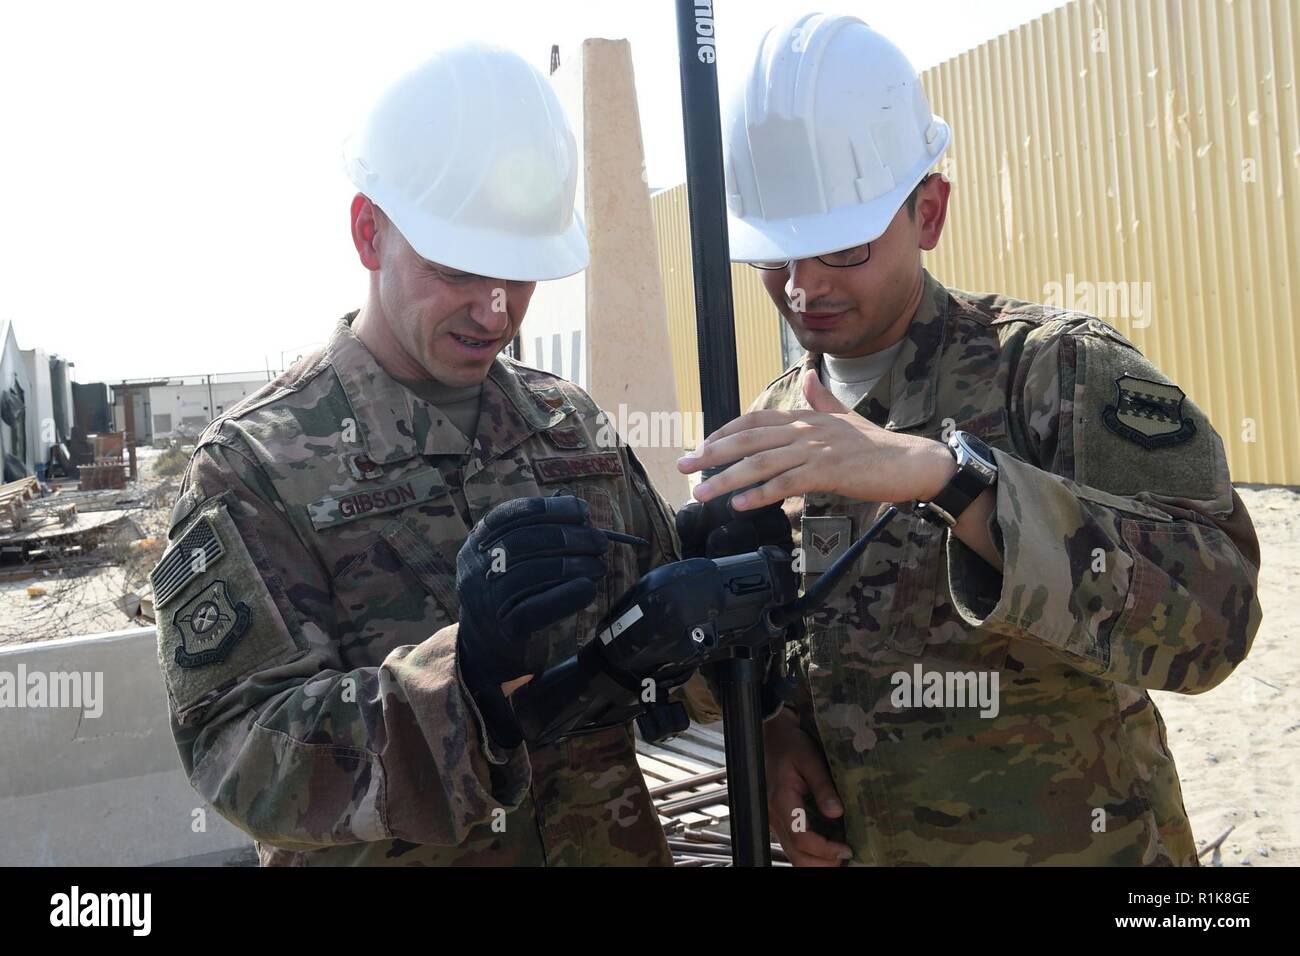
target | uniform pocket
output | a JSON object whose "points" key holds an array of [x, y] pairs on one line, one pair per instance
{"points": [[396, 582], [428, 564]]}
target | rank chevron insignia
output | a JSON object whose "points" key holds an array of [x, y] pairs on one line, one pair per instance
{"points": [[826, 545]]}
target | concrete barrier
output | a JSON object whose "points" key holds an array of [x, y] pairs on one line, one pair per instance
{"points": [[84, 790]]}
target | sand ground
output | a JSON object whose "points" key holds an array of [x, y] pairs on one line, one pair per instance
{"points": [[1238, 746]]}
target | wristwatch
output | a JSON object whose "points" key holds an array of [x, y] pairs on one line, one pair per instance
{"points": [[976, 471]]}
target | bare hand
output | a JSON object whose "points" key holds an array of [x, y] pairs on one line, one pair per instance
{"points": [[828, 449], [795, 769]]}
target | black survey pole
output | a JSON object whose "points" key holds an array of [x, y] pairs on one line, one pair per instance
{"points": [[706, 192], [737, 680]]}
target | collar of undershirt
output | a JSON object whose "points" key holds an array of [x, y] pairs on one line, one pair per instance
{"points": [[861, 368]]}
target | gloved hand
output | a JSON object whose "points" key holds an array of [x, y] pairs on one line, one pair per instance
{"points": [[528, 564], [714, 530]]}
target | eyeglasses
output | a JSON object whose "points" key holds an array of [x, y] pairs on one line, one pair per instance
{"points": [[844, 259]]}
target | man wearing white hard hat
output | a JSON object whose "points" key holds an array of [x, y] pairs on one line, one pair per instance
{"points": [[976, 690], [373, 551]]}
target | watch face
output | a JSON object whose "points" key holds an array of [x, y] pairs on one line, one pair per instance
{"points": [[975, 451], [978, 446]]}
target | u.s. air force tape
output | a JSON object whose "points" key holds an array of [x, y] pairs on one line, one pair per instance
{"points": [[198, 550]]}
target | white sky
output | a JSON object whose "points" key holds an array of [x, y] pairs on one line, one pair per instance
{"points": [[175, 202]]}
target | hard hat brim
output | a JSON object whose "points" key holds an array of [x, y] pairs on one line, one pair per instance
{"points": [[802, 237], [488, 252]]}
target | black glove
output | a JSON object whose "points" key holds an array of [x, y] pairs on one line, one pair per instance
{"points": [[528, 564], [714, 530]]}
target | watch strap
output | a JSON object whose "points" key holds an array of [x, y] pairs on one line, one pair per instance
{"points": [[946, 507]]}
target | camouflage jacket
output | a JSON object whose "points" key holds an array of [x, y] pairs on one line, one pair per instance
{"points": [[306, 612], [1130, 565]]}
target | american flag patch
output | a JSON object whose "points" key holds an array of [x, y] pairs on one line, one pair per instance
{"points": [[197, 551]]}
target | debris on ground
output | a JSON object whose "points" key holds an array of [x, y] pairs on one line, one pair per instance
{"points": [[76, 560]]}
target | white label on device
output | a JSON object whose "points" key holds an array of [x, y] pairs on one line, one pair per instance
{"points": [[625, 620]]}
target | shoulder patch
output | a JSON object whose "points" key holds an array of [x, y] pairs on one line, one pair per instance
{"points": [[550, 470], [1148, 413], [209, 625], [194, 554], [220, 622]]}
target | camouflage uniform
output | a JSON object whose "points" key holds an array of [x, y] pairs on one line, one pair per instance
{"points": [[1130, 565], [306, 622]]}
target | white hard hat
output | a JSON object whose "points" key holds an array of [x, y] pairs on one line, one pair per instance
{"points": [[825, 141], [471, 157]]}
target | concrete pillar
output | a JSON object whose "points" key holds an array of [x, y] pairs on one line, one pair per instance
{"points": [[617, 308]]}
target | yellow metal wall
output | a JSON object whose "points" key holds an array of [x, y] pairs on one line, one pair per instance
{"points": [[1154, 143], [758, 329]]}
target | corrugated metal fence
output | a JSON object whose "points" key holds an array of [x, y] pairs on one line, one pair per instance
{"points": [[758, 326], [1136, 159]]}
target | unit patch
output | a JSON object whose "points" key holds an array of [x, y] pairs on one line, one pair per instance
{"points": [[209, 625], [1148, 413]]}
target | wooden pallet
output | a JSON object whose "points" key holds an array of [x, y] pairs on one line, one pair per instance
{"points": [[104, 499], [47, 538], [12, 497]]}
